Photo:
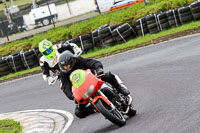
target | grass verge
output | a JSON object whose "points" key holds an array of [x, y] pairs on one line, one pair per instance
{"points": [[10, 126], [149, 39]]}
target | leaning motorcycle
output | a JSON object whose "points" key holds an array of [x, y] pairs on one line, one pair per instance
{"points": [[87, 88]]}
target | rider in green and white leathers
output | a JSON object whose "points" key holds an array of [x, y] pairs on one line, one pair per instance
{"points": [[51, 54]]}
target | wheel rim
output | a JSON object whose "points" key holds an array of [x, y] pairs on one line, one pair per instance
{"points": [[46, 22]]}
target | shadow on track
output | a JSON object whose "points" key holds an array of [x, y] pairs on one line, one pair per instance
{"points": [[112, 127]]}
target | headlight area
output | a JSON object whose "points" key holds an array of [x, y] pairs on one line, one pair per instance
{"points": [[88, 92]]}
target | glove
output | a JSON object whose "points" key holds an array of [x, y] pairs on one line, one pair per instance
{"points": [[52, 80], [76, 49], [100, 72]]}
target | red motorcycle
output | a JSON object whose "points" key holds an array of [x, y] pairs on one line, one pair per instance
{"points": [[87, 88]]}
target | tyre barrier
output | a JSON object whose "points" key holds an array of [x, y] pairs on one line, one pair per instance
{"points": [[38, 53], [30, 58], [141, 26], [5, 67], [106, 37], [163, 21], [195, 9], [95, 36], [83, 41], [124, 33], [102, 37], [152, 23], [19, 61], [185, 15], [173, 17], [16, 62]]}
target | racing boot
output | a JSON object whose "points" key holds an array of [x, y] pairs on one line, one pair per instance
{"points": [[121, 87], [115, 81], [83, 110]]}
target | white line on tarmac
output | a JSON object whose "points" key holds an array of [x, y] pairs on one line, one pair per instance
{"points": [[69, 115]]}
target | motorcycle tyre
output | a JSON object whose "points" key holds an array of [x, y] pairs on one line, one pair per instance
{"points": [[101, 105]]}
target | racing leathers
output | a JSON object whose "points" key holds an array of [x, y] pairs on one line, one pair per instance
{"points": [[48, 65]]}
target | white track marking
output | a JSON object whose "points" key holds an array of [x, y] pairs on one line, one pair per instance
{"points": [[69, 115]]}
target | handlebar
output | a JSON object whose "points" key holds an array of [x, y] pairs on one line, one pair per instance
{"points": [[100, 75]]}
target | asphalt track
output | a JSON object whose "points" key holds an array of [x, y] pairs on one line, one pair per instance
{"points": [[164, 81]]}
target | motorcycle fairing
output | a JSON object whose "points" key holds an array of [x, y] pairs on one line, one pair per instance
{"points": [[90, 79]]}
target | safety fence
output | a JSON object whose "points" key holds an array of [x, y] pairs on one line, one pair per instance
{"points": [[106, 35]]}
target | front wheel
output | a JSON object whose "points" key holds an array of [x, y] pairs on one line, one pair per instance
{"points": [[111, 114]]}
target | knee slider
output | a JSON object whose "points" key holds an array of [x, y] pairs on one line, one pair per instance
{"points": [[79, 113]]}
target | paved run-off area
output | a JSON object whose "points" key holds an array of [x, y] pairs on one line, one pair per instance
{"points": [[41, 121]]}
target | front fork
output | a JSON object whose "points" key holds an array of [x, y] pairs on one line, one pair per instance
{"points": [[103, 97]]}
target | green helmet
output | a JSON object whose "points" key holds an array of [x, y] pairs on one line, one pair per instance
{"points": [[47, 49]]}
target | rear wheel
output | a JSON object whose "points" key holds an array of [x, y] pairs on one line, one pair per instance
{"points": [[111, 114]]}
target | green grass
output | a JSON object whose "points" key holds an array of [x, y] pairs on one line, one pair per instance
{"points": [[20, 73], [132, 43], [10, 126]]}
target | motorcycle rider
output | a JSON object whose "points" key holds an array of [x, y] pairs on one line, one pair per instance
{"points": [[51, 54], [68, 63]]}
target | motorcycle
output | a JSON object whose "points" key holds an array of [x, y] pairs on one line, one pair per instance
{"points": [[88, 88]]}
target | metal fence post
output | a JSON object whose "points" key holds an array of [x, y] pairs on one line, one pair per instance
{"points": [[68, 7], [50, 14]]}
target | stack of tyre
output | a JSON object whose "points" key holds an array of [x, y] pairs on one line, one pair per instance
{"points": [[30, 58], [83, 41], [173, 18], [95, 36], [4, 67], [19, 61], [102, 37], [195, 9], [15, 62], [185, 14], [152, 23], [141, 26], [124, 33], [38, 53], [163, 21]]}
